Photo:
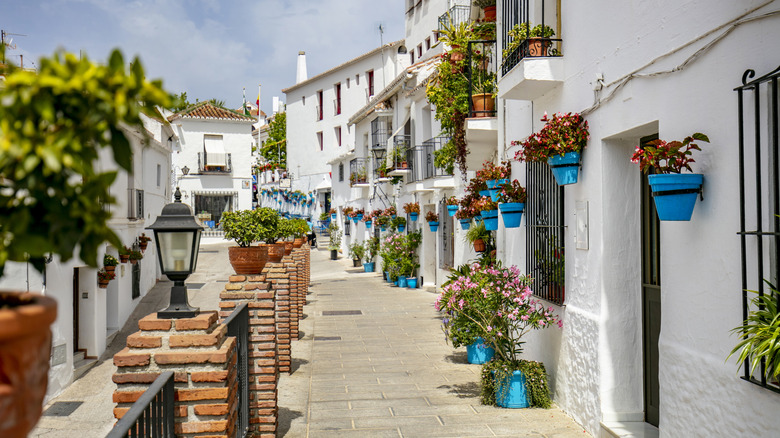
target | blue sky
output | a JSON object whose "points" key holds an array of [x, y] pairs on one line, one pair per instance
{"points": [[208, 48]]}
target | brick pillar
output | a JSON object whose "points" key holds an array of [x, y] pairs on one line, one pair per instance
{"points": [[203, 359], [276, 275], [263, 369], [292, 271]]}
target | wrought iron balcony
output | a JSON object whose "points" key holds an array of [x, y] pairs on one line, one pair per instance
{"points": [[401, 157], [380, 132], [214, 163], [358, 171], [531, 48], [456, 15], [481, 72], [537, 44], [423, 159]]}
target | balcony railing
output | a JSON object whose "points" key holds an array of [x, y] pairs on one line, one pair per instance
{"points": [[481, 72], [218, 163], [400, 157], [358, 171], [380, 132], [423, 159], [531, 48], [135, 204], [519, 13], [456, 15]]}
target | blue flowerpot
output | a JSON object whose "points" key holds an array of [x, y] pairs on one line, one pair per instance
{"points": [[401, 228], [401, 281], [510, 391], [387, 276], [411, 282], [675, 194], [565, 168], [452, 209], [493, 183], [368, 267], [465, 223], [491, 219], [355, 220], [359, 217], [479, 352], [368, 224], [434, 226], [382, 227], [413, 216], [396, 283], [392, 216], [494, 194], [484, 193], [512, 212]]}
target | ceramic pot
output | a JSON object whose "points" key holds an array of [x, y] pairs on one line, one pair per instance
{"points": [[248, 260]]}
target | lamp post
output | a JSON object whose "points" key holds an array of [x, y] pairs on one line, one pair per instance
{"points": [[177, 236]]}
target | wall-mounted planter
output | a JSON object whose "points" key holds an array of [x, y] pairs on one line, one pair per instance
{"points": [[491, 219], [493, 183], [359, 217], [413, 216], [465, 223], [434, 226], [401, 228], [484, 193], [512, 213], [368, 224], [675, 194], [452, 209], [565, 168], [333, 217]]}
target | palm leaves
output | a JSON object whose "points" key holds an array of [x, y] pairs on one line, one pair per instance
{"points": [[761, 334]]}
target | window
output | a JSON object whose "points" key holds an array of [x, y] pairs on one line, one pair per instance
{"points": [[347, 82], [214, 205], [370, 76], [337, 102], [357, 79], [544, 233], [419, 50], [341, 172], [338, 136], [411, 56], [435, 36], [303, 100], [159, 174], [319, 139], [428, 44], [319, 105]]}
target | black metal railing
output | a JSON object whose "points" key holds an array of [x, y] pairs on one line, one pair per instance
{"points": [[545, 254], [380, 132], [152, 414], [759, 175], [135, 204], [358, 171], [481, 73], [519, 13], [453, 17], [238, 325], [400, 157], [431, 146], [214, 163]]}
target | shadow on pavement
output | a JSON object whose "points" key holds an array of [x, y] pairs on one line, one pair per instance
{"points": [[457, 357], [464, 390], [296, 363], [286, 418]]}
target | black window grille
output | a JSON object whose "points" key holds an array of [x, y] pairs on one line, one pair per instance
{"points": [[347, 224], [545, 257], [341, 172], [759, 175], [380, 132], [481, 72], [446, 248]]}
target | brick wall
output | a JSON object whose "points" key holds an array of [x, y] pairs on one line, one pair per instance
{"points": [[203, 360]]}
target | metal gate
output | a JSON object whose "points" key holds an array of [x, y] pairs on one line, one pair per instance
{"points": [[238, 326]]}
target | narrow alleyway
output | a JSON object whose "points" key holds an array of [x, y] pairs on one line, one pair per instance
{"points": [[373, 362]]}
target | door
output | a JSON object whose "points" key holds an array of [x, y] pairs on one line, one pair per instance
{"points": [[651, 298], [75, 310]]}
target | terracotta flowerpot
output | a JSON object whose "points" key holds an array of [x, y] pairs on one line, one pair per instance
{"points": [[538, 47], [356, 263], [275, 252], [456, 57], [103, 283], [123, 258], [288, 247], [143, 245], [25, 347], [134, 261], [479, 245], [483, 105], [490, 13], [109, 268], [298, 242], [249, 260]]}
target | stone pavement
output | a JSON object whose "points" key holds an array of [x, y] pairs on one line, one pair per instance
{"points": [[384, 369]]}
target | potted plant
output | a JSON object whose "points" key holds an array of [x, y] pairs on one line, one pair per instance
{"points": [[300, 228], [674, 192], [143, 241], [390, 211], [240, 227], [266, 222], [511, 203], [433, 220], [109, 263], [332, 214], [488, 7], [382, 221], [104, 277], [324, 216], [335, 240], [124, 254], [559, 144], [759, 344], [357, 251], [413, 210], [135, 256], [372, 249], [59, 129], [488, 210], [285, 230], [494, 175], [399, 223], [479, 236], [409, 260], [452, 205], [537, 40]]}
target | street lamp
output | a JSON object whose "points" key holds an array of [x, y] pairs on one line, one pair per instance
{"points": [[177, 236]]}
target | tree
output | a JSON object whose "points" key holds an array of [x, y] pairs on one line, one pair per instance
{"points": [[274, 149], [54, 125], [181, 103]]}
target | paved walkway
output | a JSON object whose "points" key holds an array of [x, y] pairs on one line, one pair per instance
{"points": [[388, 371]]}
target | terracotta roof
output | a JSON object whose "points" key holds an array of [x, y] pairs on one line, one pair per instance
{"points": [[340, 66], [205, 110]]}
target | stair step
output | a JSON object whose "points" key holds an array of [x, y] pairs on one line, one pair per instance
{"points": [[82, 364], [79, 355], [628, 429]]}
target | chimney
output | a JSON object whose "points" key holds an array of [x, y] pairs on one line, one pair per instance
{"points": [[301, 75], [276, 104]]}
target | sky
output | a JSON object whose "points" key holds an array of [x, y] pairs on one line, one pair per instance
{"points": [[207, 48]]}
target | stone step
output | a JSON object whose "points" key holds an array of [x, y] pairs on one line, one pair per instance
{"points": [[82, 364], [628, 429]]}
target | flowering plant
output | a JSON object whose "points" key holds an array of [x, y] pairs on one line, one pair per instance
{"points": [[399, 252], [431, 216], [332, 211], [382, 220], [109, 260], [484, 203], [465, 212], [561, 134], [411, 207], [512, 192], [104, 275], [675, 155], [389, 211], [452, 200], [347, 211], [144, 238], [491, 171], [358, 212], [367, 217]]}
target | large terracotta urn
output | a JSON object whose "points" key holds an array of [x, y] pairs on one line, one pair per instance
{"points": [[249, 260], [298, 242], [25, 349], [288, 247], [275, 252]]}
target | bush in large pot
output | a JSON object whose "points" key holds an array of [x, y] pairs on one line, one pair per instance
{"points": [[240, 226], [54, 125], [267, 221], [299, 231]]}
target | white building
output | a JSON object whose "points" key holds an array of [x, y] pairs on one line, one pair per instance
{"points": [[214, 145], [88, 316]]}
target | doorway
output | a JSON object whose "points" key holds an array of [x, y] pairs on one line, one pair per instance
{"points": [[651, 298], [75, 310]]}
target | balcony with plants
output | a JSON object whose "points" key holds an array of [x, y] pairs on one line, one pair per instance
{"points": [[399, 162], [532, 62], [425, 170], [214, 163], [358, 172]]}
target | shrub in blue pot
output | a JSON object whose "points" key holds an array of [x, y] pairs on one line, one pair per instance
{"points": [[413, 216], [411, 282], [559, 144], [674, 192], [511, 200], [401, 281], [433, 221], [368, 267], [478, 352]]}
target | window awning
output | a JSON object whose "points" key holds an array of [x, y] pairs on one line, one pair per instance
{"points": [[215, 150], [214, 193]]}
